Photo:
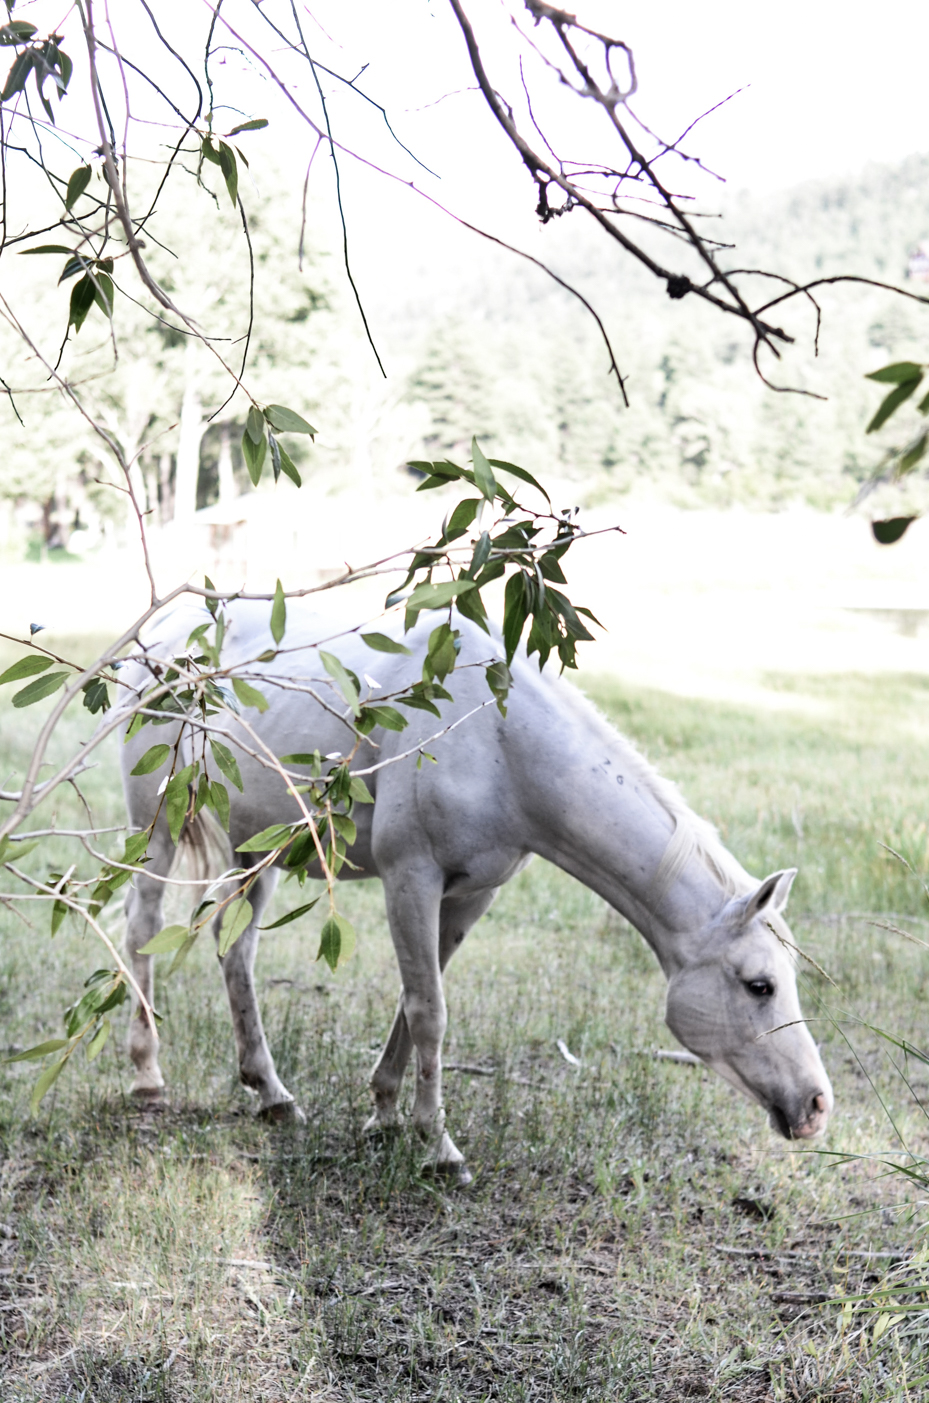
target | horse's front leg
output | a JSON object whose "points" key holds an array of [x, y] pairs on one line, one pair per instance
{"points": [[256, 1065], [425, 939]]}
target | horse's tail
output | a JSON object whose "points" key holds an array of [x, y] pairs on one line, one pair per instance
{"points": [[205, 846]]}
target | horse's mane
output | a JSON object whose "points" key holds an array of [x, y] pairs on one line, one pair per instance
{"points": [[693, 837]]}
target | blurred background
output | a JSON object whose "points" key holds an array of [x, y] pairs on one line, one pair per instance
{"points": [[744, 547]]}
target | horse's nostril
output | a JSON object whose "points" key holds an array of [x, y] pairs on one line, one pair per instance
{"points": [[819, 1102]]}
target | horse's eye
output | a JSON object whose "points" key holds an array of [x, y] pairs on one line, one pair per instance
{"points": [[761, 988]]}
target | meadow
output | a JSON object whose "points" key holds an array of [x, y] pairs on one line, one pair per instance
{"points": [[635, 1231]]}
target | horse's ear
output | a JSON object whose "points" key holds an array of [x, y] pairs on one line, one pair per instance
{"points": [[771, 894]]}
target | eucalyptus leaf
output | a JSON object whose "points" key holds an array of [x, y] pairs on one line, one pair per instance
{"points": [[152, 760], [45, 1082], [40, 688], [254, 455], [171, 938], [336, 941], [77, 184], [341, 678], [292, 915], [249, 695], [380, 643], [269, 838], [278, 614], [235, 919], [286, 421], [25, 667], [227, 763], [32, 1054]]}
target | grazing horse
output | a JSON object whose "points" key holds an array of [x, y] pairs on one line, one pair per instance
{"points": [[551, 778]]}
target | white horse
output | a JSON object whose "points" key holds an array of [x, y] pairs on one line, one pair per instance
{"points": [[552, 778]]}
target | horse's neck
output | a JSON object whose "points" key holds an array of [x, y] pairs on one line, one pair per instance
{"points": [[594, 815]]}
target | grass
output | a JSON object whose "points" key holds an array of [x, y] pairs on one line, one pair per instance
{"points": [[634, 1231]]}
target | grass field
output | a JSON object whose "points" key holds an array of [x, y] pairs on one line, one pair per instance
{"points": [[634, 1231]]}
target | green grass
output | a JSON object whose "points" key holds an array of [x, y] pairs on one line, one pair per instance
{"points": [[634, 1231]]}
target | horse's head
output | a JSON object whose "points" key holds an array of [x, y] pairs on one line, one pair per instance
{"points": [[733, 1001]]}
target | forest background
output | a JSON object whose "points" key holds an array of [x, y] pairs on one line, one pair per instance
{"points": [[702, 429]]}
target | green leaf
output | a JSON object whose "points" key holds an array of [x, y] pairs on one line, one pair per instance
{"points": [[253, 126], [227, 763], [430, 596], [336, 941], [359, 791], [522, 474], [300, 757], [254, 425], [32, 1054], [219, 796], [342, 680], [249, 695], [95, 1046], [499, 680], [287, 464], [887, 532], [268, 839], [46, 248], [227, 165], [60, 909], [483, 473], [345, 827], [441, 653], [515, 612], [83, 296], [12, 849], [45, 1082], [136, 846], [387, 716], [254, 454], [278, 614], [103, 293], [41, 687], [912, 455], [897, 374], [892, 403], [286, 421], [292, 915], [168, 939], [183, 952], [152, 760], [77, 184], [25, 667], [235, 919], [275, 455], [461, 518], [177, 799], [96, 695], [16, 78], [380, 643], [17, 31]]}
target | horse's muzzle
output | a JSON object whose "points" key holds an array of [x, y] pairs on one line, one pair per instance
{"points": [[811, 1122]]}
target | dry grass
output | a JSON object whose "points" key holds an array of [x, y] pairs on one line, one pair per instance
{"points": [[634, 1230]]}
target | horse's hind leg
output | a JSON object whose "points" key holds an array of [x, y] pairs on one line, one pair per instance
{"points": [[456, 917], [256, 1065], [143, 920]]}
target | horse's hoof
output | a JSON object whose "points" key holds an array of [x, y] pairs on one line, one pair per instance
{"points": [[282, 1113], [150, 1096], [454, 1176], [379, 1129]]}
